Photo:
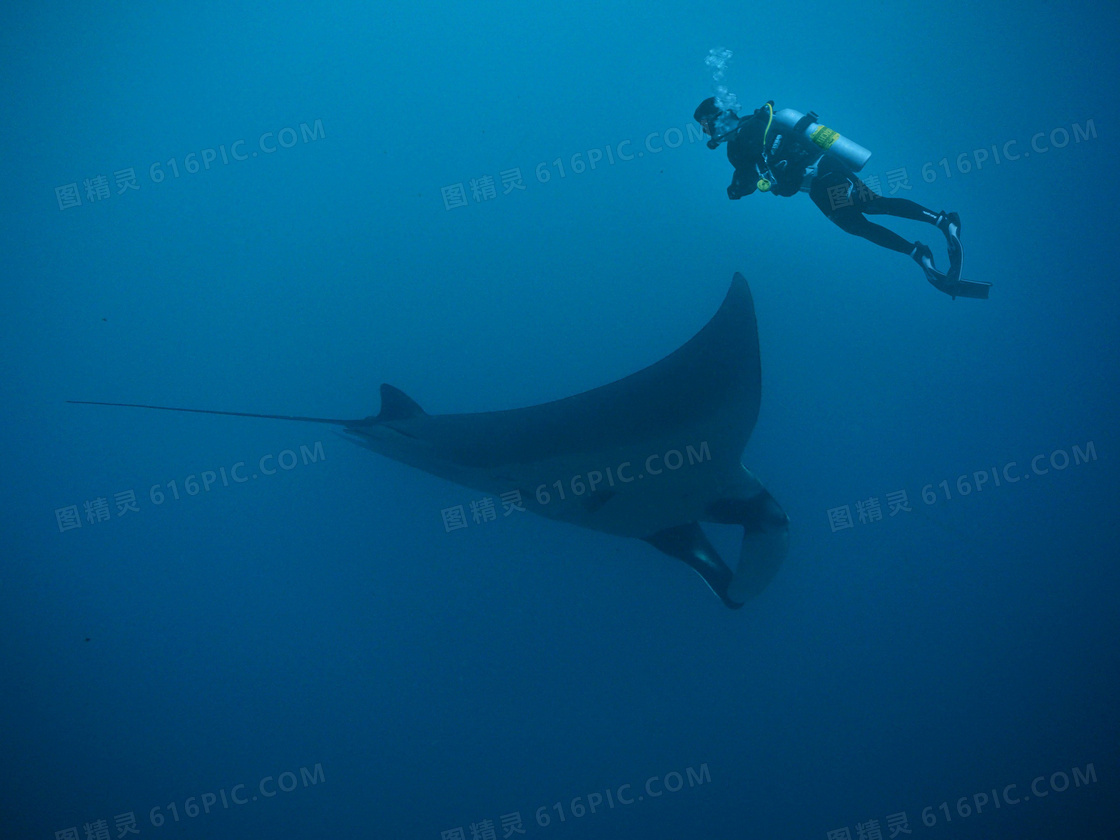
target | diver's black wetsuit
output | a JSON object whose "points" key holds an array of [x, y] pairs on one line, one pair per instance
{"points": [[835, 189], [844, 198], [745, 152]]}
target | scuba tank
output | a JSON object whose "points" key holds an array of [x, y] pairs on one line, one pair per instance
{"points": [[816, 137]]}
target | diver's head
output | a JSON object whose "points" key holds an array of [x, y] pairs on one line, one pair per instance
{"points": [[714, 120]]}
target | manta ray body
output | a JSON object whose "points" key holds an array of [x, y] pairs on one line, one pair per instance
{"points": [[650, 456]]}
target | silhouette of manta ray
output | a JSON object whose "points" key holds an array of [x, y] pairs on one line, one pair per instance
{"points": [[649, 456]]}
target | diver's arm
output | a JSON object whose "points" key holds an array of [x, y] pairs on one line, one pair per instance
{"points": [[743, 183]]}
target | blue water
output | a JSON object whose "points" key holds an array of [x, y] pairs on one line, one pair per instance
{"points": [[320, 621]]}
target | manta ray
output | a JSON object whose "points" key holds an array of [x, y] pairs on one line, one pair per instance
{"points": [[650, 456]]}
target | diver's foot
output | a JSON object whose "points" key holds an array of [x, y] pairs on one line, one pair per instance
{"points": [[921, 254], [949, 223]]}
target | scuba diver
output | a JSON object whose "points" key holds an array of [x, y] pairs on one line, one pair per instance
{"points": [[787, 152]]}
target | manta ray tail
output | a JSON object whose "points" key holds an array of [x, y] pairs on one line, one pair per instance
{"points": [[331, 420], [395, 405]]}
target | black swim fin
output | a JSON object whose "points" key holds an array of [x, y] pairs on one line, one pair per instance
{"points": [[955, 288], [950, 225]]}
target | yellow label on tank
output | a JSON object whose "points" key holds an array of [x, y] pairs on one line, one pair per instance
{"points": [[824, 137]]}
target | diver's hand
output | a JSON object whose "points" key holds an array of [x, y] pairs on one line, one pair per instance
{"points": [[741, 184]]}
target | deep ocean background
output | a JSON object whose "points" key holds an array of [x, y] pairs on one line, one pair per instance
{"points": [[323, 616]]}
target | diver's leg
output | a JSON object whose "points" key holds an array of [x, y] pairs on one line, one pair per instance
{"points": [[948, 223], [851, 220], [904, 208], [870, 202], [840, 195], [835, 186], [866, 200]]}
